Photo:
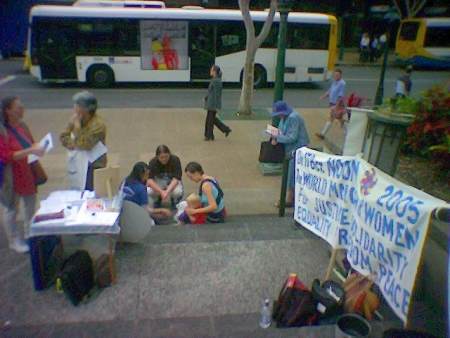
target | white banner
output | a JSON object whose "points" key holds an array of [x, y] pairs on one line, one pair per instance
{"points": [[356, 128], [380, 221]]}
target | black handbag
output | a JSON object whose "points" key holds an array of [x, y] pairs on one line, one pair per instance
{"points": [[77, 276], [270, 153]]}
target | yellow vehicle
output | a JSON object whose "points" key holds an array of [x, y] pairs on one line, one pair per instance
{"points": [[424, 42]]}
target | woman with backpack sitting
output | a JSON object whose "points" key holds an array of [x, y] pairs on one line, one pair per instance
{"points": [[211, 195]]}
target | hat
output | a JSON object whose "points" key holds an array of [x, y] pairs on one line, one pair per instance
{"points": [[281, 108]]}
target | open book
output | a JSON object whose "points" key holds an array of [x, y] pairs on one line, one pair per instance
{"points": [[272, 131]]}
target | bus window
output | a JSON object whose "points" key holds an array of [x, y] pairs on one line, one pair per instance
{"points": [[230, 38], [54, 48], [128, 38], [437, 37], [96, 37], [308, 36], [272, 38], [202, 48], [102, 37], [409, 31]]}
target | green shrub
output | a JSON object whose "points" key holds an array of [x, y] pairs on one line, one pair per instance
{"points": [[429, 133]]}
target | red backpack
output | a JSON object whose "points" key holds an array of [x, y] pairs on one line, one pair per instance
{"points": [[295, 305]]}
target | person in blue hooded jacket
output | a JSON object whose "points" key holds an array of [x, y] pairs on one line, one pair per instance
{"points": [[293, 135]]}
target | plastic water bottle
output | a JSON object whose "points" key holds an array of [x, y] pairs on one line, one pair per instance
{"points": [[266, 319]]}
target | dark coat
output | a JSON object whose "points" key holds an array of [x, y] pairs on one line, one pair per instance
{"points": [[213, 101]]}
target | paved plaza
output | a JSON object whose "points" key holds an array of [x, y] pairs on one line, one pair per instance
{"points": [[205, 281]]}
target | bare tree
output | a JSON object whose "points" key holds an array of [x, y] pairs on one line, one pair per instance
{"points": [[409, 8], [253, 42]]}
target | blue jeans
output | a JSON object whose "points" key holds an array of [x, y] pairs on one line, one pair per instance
{"points": [[291, 174]]}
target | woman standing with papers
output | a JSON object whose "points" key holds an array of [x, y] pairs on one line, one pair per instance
{"points": [[16, 143], [84, 131]]}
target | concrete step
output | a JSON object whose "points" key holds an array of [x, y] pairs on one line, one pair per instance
{"points": [[231, 326]]}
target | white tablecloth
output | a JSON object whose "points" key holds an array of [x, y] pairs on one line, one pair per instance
{"points": [[76, 221]]}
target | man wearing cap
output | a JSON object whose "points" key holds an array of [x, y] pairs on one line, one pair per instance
{"points": [[335, 96], [293, 135]]}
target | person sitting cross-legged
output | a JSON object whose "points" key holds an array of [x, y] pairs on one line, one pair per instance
{"points": [[165, 177]]}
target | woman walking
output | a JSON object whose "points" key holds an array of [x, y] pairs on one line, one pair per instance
{"points": [[16, 143], [213, 102]]}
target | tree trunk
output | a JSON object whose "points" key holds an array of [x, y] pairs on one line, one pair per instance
{"points": [[252, 44], [245, 101]]}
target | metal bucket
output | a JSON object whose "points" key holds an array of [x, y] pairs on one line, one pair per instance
{"points": [[351, 326]]}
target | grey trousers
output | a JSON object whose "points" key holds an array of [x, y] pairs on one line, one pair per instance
{"points": [[176, 193], [10, 217]]}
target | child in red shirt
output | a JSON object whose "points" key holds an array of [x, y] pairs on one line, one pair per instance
{"points": [[193, 201]]}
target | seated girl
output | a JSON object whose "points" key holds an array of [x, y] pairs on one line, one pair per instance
{"points": [[211, 195], [192, 201], [135, 190]]}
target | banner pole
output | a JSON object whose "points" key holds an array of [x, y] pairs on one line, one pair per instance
{"points": [[331, 264], [418, 273]]}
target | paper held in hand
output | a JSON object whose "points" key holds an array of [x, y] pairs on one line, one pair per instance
{"points": [[272, 131], [46, 143]]}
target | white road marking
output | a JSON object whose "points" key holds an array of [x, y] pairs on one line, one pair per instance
{"points": [[7, 79]]}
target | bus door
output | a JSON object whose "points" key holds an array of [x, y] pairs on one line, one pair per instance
{"points": [[201, 49], [57, 51]]}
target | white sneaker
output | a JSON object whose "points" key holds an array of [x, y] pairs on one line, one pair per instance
{"points": [[19, 246]]}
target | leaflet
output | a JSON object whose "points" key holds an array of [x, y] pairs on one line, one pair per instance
{"points": [[46, 143]]}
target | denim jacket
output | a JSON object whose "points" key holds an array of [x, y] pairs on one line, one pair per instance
{"points": [[293, 133]]}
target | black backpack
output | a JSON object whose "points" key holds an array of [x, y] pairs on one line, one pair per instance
{"points": [[329, 297], [77, 276]]}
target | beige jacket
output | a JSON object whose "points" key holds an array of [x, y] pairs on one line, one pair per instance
{"points": [[86, 138]]}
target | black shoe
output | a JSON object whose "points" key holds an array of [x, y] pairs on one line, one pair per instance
{"points": [[228, 132]]}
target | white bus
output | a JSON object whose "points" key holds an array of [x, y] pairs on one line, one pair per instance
{"points": [[105, 45], [120, 3]]}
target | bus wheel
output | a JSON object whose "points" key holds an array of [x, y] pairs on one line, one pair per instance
{"points": [[260, 77], [100, 76]]}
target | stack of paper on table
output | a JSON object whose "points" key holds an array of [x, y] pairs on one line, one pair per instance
{"points": [[79, 208]]}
